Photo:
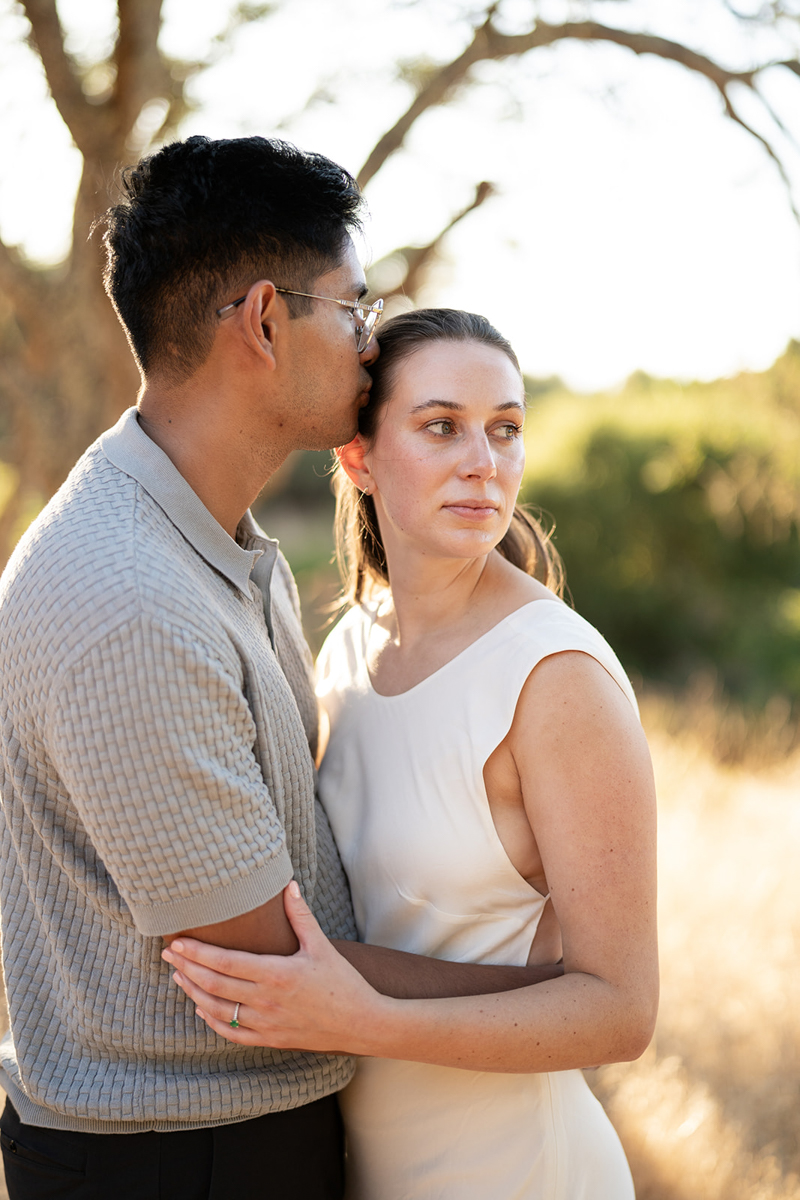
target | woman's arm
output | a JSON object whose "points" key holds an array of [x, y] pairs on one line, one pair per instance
{"points": [[588, 791]]}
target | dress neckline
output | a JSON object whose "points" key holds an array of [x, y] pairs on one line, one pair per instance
{"points": [[372, 615]]}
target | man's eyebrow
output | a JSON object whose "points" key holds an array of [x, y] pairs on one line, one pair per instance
{"points": [[358, 290], [456, 406]]}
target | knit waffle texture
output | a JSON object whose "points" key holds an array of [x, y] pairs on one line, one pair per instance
{"points": [[156, 774]]}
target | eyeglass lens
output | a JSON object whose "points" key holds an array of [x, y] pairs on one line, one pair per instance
{"points": [[368, 320]]}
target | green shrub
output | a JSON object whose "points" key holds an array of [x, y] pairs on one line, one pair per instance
{"points": [[677, 510]]}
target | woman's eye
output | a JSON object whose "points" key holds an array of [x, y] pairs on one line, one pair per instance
{"points": [[444, 428], [510, 431]]}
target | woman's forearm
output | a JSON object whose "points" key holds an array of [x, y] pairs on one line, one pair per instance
{"points": [[576, 1021]]}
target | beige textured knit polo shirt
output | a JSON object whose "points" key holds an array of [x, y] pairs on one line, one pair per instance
{"points": [[156, 773]]}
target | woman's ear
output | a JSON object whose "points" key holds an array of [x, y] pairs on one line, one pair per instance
{"points": [[353, 460]]}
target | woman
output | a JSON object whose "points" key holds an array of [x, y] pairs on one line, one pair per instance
{"points": [[489, 788]]}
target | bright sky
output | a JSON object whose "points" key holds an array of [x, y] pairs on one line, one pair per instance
{"points": [[634, 226]]}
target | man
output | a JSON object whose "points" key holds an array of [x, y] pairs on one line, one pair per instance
{"points": [[158, 718]]}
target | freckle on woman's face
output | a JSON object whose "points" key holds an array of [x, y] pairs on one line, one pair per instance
{"points": [[447, 456]]}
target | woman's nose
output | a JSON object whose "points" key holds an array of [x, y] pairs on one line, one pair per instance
{"points": [[479, 462]]}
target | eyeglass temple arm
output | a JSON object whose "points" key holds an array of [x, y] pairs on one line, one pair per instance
{"points": [[228, 309]]}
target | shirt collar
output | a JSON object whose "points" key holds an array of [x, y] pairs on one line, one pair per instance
{"points": [[128, 447]]}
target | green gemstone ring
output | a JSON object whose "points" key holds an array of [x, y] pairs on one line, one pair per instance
{"points": [[234, 1023]]}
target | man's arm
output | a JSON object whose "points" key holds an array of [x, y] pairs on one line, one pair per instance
{"points": [[266, 930], [415, 977], [263, 930], [163, 774]]}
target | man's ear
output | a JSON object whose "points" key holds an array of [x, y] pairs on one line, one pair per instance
{"points": [[259, 323], [354, 464]]}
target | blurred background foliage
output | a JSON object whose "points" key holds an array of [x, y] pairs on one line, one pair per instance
{"points": [[677, 509]]}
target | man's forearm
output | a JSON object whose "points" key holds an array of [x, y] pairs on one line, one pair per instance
{"points": [[416, 977]]}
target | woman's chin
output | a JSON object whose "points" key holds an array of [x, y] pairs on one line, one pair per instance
{"points": [[468, 544]]}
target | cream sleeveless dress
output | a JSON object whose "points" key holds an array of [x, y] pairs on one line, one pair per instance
{"points": [[402, 783]]}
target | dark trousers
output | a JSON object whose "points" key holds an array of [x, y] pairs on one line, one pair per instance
{"points": [[295, 1155]]}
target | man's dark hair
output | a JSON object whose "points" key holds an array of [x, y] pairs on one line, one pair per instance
{"points": [[201, 221]]}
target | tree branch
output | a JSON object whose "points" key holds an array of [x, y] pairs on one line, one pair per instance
{"points": [[768, 13], [774, 116], [731, 112], [418, 259], [489, 45], [9, 518], [141, 72], [740, 16], [16, 283], [62, 75], [434, 92]]}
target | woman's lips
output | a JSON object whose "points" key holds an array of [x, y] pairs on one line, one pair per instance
{"points": [[476, 510]]}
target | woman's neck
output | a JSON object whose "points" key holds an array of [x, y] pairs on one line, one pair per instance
{"points": [[436, 609], [432, 615], [429, 596]]}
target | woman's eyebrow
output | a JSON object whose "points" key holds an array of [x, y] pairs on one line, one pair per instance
{"points": [[452, 405], [455, 406]]}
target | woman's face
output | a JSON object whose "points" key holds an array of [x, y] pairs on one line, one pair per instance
{"points": [[446, 461]]}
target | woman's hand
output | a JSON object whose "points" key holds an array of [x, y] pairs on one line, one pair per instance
{"points": [[311, 1000]]}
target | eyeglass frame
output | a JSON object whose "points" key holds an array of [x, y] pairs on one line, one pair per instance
{"points": [[375, 309]]}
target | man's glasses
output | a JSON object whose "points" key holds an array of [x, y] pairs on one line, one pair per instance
{"points": [[366, 316]]}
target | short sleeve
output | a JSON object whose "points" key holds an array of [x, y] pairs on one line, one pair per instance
{"points": [[153, 739]]}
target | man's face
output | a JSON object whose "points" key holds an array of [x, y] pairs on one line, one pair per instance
{"points": [[327, 379]]}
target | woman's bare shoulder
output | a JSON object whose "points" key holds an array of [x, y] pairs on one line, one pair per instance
{"points": [[573, 712]]}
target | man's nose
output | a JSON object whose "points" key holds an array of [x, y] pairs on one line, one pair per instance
{"points": [[369, 355]]}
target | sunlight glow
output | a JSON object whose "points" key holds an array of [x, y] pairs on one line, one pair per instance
{"points": [[634, 227]]}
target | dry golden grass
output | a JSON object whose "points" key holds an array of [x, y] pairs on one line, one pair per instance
{"points": [[712, 1110]]}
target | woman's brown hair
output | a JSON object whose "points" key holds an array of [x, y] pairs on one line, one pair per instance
{"points": [[359, 549]]}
